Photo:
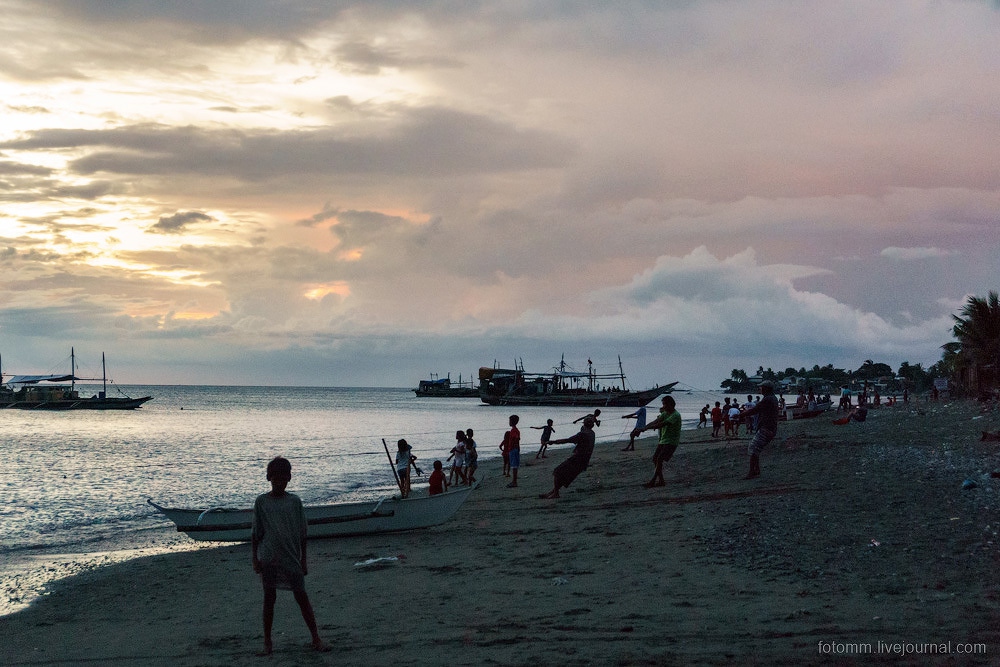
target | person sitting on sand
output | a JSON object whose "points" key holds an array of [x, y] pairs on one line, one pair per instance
{"points": [[437, 483], [858, 414], [547, 432], [640, 421], [568, 470], [278, 549], [669, 423]]}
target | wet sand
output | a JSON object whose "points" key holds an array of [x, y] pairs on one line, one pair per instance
{"points": [[857, 542]]}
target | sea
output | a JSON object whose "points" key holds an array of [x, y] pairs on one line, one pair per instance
{"points": [[74, 484]]}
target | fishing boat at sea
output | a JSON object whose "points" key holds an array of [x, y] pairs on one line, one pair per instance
{"points": [[386, 515], [33, 392], [563, 387], [444, 388]]}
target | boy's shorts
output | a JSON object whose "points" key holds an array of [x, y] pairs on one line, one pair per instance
{"points": [[272, 576], [515, 458]]}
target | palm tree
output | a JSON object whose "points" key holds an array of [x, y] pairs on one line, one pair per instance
{"points": [[977, 330]]}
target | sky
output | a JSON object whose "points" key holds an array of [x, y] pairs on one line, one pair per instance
{"points": [[313, 192]]}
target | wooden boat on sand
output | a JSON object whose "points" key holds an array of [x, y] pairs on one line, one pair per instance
{"points": [[388, 515], [804, 411]]}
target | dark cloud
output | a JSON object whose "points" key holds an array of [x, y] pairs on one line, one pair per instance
{"points": [[326, 214], [421, 142], [172, 224], [218, 21], [366, 58], [8, 167]]}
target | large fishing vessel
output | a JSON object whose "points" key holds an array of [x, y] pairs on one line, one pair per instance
{"points": [[444, 388], [43, 392], [560, 386]]}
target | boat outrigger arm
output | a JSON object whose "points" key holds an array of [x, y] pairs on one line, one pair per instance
{"points": [[247, 525]]}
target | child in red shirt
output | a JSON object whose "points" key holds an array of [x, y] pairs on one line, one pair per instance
{"points": [[716, 420], [438, 482]]}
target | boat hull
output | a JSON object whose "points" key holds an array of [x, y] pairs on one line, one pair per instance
{"points": [[389, 515], [94, 403], [620, 399], [803, 412], [453, 392]]}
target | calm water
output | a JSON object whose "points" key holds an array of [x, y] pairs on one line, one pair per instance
{"points": [[74, 484]]}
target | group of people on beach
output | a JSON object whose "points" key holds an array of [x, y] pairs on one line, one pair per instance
{"points": [[279, 527], [464, 457], [727, 418]]}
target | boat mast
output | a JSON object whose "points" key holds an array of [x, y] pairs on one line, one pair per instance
{"points": [[621, 372], [72, 369], [104, 374]]}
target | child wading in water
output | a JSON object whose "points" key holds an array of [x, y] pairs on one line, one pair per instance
{"points": [[278, 549]]}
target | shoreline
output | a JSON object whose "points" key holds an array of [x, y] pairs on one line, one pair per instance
{"points": [[852, 536]]}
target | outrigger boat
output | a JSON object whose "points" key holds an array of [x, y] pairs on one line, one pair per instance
{"points": [[803, 411], [561, 387], [25, 392], [388, 515]]}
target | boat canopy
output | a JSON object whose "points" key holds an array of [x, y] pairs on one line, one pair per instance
{"points": [[35, 379]]}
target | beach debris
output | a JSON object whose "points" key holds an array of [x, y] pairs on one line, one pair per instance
{"points": [[969, 484], [874, 543], [559, 581], [381, 561]]}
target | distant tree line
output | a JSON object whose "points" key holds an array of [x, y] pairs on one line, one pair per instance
{"points": [[913, 377], [970, 363]]}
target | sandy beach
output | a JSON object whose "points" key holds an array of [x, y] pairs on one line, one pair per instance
{"points": [[858, 542]]}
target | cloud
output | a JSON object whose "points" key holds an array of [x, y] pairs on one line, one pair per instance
{"points": [[692, 183], [172, 224], [909, 254], [417, 142]]}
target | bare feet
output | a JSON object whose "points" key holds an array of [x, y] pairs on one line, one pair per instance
{"points": [[549, 495], [268, 650], [512, 485], [321, 646]]}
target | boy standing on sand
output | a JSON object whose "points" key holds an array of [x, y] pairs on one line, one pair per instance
{"points": [[513, 440], [547, 431], [716, 420], [669, 423], [471, 456], [404, 457], [640, 421], [767, 426], [278, 549]]}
